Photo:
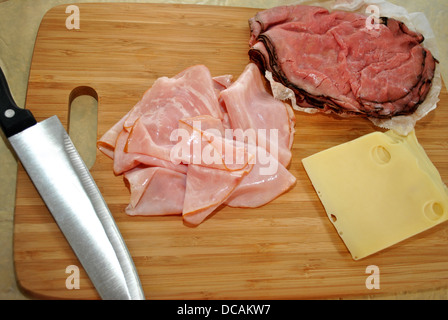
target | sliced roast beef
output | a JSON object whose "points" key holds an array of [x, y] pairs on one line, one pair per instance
{"points": [[335, 63]]}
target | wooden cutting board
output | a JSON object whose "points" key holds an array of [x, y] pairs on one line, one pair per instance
{"points": [[287, 249]]}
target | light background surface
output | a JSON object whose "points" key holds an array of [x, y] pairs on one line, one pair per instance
{"points": [[19, 22]]}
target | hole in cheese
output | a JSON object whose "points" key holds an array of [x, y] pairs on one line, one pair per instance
{"points": [[433, 210], [381, 155], [333, 218]]}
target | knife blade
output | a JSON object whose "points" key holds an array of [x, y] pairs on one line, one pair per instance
{"points": [[73, 198]]}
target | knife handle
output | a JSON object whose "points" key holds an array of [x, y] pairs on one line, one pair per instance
{"points": [[12, 118]]}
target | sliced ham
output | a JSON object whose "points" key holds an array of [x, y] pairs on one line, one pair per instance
{"points": [[178, 148], [188, 94], [155, 191], [113, 144], [266, 181], [254, 111], [106, 144], [216, 166], [124, 160], [204, 142], [208, 188]]}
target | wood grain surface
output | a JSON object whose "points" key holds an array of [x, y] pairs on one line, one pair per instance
{"points": [[287, 249]]}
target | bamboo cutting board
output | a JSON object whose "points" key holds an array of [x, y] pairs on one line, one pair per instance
{"points": [[287, 249]]}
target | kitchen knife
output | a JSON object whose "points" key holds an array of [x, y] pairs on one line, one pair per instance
{"points": [[71, 195]]}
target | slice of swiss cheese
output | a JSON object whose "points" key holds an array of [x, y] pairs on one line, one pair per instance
{"points": [[378, 190]]}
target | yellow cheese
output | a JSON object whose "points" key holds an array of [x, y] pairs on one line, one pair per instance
{"points": [[378, 190]]}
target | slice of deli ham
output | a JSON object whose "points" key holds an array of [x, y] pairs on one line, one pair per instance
{"points": [[203, 142], [124, 161], [267, 180], [252, 108], [190, 93], [155, 191], [107, 143], [206, 189]]}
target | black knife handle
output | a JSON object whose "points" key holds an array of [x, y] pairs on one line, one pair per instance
{"points": [[12, 118]]}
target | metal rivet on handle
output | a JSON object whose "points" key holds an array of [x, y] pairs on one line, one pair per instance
{"points": [[9, 113]]}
